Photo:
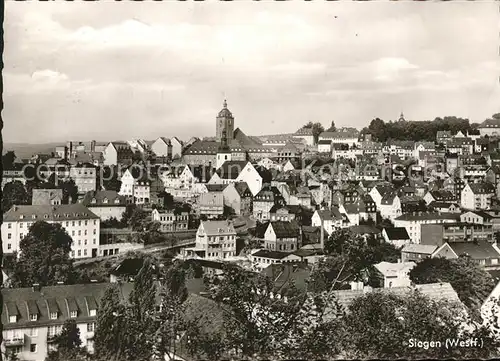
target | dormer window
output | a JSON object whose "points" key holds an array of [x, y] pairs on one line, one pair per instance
{"points": [[105, 200], [53, 315], [33, 317], [13, 319], [92, 312], [33, 216], [73, 314], [94, 201]]}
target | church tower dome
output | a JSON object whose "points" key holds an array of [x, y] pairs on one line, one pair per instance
{"points": [[224, 121]]}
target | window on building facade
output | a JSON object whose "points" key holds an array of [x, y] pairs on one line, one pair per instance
{"points": [[33, 347]]}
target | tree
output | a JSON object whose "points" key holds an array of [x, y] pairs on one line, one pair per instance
{"points": [[391, 324], [45, 257], [359, 253], [167, 200], [14, 193], [8, 159], [134, 217], [110, 328], [68, 186], [317, 129], [108, 179], [471, 282], [257, 323], [171, 321], [68, 345], [332, 128]]}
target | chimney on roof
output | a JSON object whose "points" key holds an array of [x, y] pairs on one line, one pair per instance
{"points": [[14, 208], [36, 287]]}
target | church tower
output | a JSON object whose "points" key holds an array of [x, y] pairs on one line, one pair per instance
{"points": [[224, 121], [224, 152]]}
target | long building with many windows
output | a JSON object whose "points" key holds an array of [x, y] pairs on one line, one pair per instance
{"points": [[80, 223], [33, 317]]}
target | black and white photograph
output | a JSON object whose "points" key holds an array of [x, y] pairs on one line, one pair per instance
{"points": [[250, 180]]}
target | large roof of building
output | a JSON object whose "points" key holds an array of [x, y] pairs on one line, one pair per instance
{"points": [[218, 227], [428, 216], [211, 199], [482, 188], [48, 213], [476, 250], [285, 229], [103, 198], [231, 169], [435, 291], [419, 248], [61, 299], [264, 253], [490, 123], [396, 233], [393, 269]]}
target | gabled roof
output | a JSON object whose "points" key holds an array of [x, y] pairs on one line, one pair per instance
{"points": [[330, 215], [242, 188], [286, 274], [128, 267], [388, 198], [100, 196], [48, 213], [62, 299], [482, 188], [231, 169], [428, 216], [264, 253], [419, 248], [442, 194], [490, 123], [476, 250], [285, 229], [218, 227], [396, 233], [216, 187], [393, 269], [211, 199], [363, 229]]}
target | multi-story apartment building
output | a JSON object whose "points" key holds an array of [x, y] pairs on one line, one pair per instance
{"points": [[282, 236], [85, 177], [438, 234], [264, 201], [215, 240], [137, 188], [33, 317], [476, 196], [413, 222], [105, 204], [171, 221], [78, 221], [118, 153], [211, 204]]}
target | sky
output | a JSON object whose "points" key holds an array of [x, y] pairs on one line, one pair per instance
{"points": [[117, 71]]}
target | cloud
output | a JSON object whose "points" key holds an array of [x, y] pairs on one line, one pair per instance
{"points": [[144, 70]]}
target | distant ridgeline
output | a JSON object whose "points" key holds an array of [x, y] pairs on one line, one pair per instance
{"points": [[420, 130]]}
